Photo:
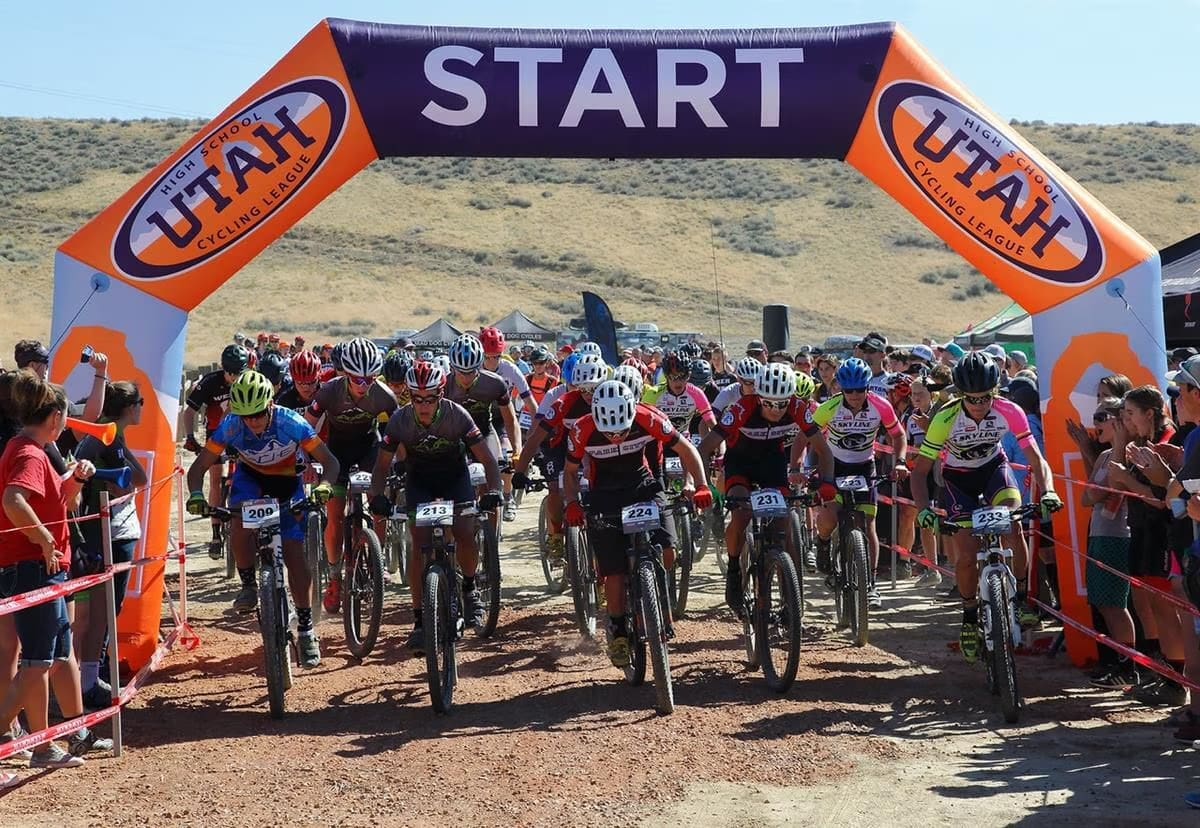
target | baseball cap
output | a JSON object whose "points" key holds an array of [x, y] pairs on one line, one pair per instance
{"points": [[996, 350], [873, 342], [923, 353], [756, 346], [30, 350], [955, 350], [1181, 354], [1018, 357], [1188, 373]]}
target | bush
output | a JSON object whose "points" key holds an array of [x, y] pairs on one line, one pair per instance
{"points": [[1184, 198], [839, 202], [923, 242], [519, 202], [481, 204]]}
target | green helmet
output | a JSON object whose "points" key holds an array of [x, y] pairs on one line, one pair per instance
{"points": [[251, 393], [805, 385]]}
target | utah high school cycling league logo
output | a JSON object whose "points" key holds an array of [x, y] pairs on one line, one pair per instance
{"points": [[232, 180], [988, 185]]}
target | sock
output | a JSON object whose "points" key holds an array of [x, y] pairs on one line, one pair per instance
{"points": [[216, 527], [617, 625], [468, 584], [417, 618], [304, 619], [971, 615], [89, 671], [247, 577]]}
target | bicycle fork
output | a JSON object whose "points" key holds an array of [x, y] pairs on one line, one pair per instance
{"points": [[995, 564]]}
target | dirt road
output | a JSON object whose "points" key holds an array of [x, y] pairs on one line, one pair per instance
{"points": [[544, 731]]}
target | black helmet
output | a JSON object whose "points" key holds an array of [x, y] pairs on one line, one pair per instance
{"points": [[689, 350], [701, 372], [396, 365], [335, 358], [273, 367], [234, 359], [540, 354], [976, 373]]}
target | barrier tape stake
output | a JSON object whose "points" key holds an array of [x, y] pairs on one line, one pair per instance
{"points": [[182, 543], [894, 511], [110, 600]]}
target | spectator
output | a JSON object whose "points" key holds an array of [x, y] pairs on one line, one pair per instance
{"points": [[919, 360], [297, 344], [781, 356], [951, 354], [1024, 392], [1017, 361], [916, 423], [123, 407], [827, 366], [239, 338], [1178, 356], [804, 363], [35, 500], [1114, 385], [31, 355], [262, 344], [1181, 490], [755, 348]]}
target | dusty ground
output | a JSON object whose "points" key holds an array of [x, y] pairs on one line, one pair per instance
{"points": [[545, 733]]}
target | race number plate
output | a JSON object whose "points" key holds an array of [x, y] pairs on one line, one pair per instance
{"points": [[259, 514], [435, 513], [640, 517], [360, 482], [478, 475], [674, 468], [994, 520], [852, 483], [525, 420], [768, 504]]}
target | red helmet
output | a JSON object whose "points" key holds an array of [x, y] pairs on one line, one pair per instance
{"points": [[493, 341], [425, 376], [306, 367], [633, 362], [328, 372]]}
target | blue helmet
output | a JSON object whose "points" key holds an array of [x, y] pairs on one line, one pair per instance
{"points": [[853, 375]]}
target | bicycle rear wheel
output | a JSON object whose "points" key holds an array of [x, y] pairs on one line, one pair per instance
{"points": [[318, 569], [652, 624], [716, 534], [274, 636], [749, 604], [440, 638], [487, 576], [840, 579], [362, 588], [679, 576], [1002, 655], [635, 673], [859, 583], [583, 581], [778, 621], [555, 572]]}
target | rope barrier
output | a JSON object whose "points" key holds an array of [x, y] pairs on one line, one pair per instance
{"points": [[156, 485]]}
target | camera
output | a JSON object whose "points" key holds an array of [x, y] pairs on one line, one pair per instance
{"points": [[86, 354]]}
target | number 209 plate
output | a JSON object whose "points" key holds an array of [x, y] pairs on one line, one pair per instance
{"points": [[257, 514]]}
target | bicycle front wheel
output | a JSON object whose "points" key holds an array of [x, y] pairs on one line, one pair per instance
{"points": [[274, 636], [583, 581], [749, 603], [318, 569], [651, 613], [362, 586], [859, 583], [778, 621], [1002, 655], [440, 636], [679, 576]]}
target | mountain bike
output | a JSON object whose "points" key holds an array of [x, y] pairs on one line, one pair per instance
{"points": [[999, 619], [487, 542], [275, 614], [441, 590], [314, 551], [851, 576], [685, 517], [772, 604], [556, 572], [228, 466], [396, 541], [647, 615], [362, 575]]}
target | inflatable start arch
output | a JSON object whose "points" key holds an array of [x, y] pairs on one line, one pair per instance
{"points": [[351, 92]]}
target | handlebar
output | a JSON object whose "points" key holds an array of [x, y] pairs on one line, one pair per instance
{"points": [[225, 515], [949, 528]]}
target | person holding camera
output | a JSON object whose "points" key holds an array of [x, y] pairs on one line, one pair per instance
{"points": [[37, 554], [90, 629]]}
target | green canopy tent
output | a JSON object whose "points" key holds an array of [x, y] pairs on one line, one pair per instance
{"points": [[1011, 327]]}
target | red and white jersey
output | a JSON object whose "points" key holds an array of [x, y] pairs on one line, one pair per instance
{"points": [[623, 465]]}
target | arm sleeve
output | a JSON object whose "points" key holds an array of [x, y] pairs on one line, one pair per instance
{"points": [[703, 406]]}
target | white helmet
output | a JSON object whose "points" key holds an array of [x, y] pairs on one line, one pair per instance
{"points": [[443, 362], [589, 372], [776, 382], [632, 377], [613, 406], [362, 358], [747, 369], [466, 353], [588, 348]]}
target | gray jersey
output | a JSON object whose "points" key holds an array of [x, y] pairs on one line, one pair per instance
{"points": [[351, 420], [487, 390], [439, 448]]}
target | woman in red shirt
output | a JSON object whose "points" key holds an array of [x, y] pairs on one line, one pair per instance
{"points": [[35, 552]]}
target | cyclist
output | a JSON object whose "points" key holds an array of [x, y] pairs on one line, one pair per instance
{"points": [[351, 405], [541, 380], [851, 421], [758, 430], [556, 416], [210, 395], [679, 399], [266, 439], [395, 375], [430, 437], [747, 370], [274, 367], [967, 432], [483, 392], [613, 437], [305, 367], [492, 340]]}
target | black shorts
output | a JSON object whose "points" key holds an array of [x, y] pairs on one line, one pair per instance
{"points": [[750, 475], [1149, 553], [554, 460], [609, 545], [360, 453], [423, 488]]}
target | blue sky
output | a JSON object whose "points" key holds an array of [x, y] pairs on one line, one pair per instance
{"points": [[1104, 61]]}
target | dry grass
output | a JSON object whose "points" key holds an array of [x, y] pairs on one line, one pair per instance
{"points": [[471, 239]]}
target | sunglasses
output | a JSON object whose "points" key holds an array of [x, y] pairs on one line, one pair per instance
{"points": [[678, 377], [362, 382], [246, 418], [430, 400], [776, 405], [854, 390], [1102, 417], [981, 399], [139, 401]]}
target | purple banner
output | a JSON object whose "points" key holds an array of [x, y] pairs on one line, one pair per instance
{"points": [[769, 93]]}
